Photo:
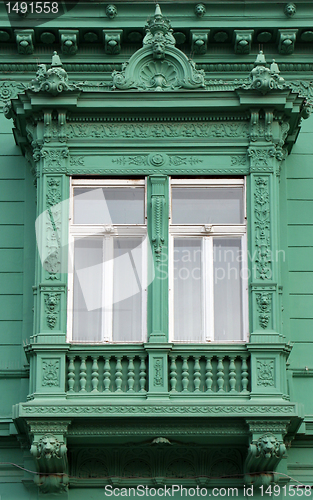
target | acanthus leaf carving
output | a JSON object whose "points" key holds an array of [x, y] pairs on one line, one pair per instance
{"points": [[262, 229], [51, 371], [265, 372]]}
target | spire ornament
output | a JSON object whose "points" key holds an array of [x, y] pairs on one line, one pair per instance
{"points": [[54, 80], [264, 78]]}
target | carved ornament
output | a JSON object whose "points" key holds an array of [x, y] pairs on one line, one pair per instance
{"points": [[54, 80], [243, 41], [264, 78], [262, 229], [286, 41], [10, 89], [159, 410], [264, 306], [50, 372], [51, 459], [69, 41], [25, 41], [52, 312], [265, 372], [158, 65], [112, 41]]}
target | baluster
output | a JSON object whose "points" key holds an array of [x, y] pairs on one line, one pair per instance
{"points": [[208, 375], [83, 375], [95, 375], [244, 374], [185, 375], [118, 375], [197, 375], [106, 375], [173, 374], [232, 375], [71, 374], [142, 374], [131, 375], [220, 375]]}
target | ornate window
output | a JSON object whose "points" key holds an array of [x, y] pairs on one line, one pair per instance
{"points": [[205, 262]]}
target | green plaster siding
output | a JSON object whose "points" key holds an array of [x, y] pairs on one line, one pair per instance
{"points": [[133, 412]]}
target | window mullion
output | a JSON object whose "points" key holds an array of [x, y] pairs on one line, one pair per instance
{"points": [[107, 288], [208, 291]]}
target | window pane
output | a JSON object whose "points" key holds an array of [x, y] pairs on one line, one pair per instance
{"points": [[87, 289], [106, 205], [127, 290], [227, 289], [188, 324], [207, 205]]}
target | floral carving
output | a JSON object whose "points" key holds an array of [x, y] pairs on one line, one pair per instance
{"points": [[53, 215], [264, 303], [265, 372], [50, 372], [52, 301], [157, 204], [9, 90], [157, 130], [158, 368], [54, 157], [262, 228]]}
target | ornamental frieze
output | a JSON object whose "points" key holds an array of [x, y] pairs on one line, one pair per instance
{"points": [[155, 130]]}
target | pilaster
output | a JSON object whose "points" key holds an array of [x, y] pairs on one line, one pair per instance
{"points": [[158, 210]]}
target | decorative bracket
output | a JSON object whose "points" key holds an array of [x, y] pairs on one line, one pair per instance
{"points": [[286, 41], [112, 41], [69, 41], [25, 41], [243, 41], [50, 453], [199, 41], [266, 450]]}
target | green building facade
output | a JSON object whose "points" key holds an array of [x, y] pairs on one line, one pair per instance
{"points": [[156, 250]]}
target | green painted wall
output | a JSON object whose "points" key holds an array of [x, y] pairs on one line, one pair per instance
{"points": [[17, 233]]}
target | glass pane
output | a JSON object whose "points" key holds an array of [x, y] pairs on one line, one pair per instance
{"points": [[127, 290], [188, 324], [227, 289], [207, 205], [108, 205], [87, 289]]}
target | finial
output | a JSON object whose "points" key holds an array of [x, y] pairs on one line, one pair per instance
{"points": [[274, 67], [56, 61], [260, 60], [158, 11]]}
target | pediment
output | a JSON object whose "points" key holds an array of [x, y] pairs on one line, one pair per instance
{"points": [[158, 65]]}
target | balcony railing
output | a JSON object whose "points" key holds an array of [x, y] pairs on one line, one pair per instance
{"points": [[188, 370]]}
